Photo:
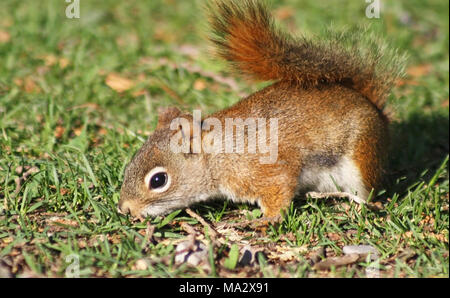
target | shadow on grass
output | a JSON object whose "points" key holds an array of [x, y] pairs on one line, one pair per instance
{"points": [[418, 144]]}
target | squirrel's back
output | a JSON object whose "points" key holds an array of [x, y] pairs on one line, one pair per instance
{"points": [[329, 131], [245, 34]]}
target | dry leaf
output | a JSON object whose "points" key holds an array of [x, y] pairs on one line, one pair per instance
{"points": [[139, 92], [49, 60], [334, 236], [376, 206], [284, 12], [287, 253], [142, 264], [27, 84], [59, 131], [336, 262], [199, 84], [419, 70], [102, 131], [439, 237], [164, 34], [62, 221], [63, 63], [229, 234], [403, 82], [408, 234], [88, 105], [427, 220], [64, 191], [119, 83], [78, 130], [129, 39], [7, 240], [4, 37], [18, 82], [30, 86]]}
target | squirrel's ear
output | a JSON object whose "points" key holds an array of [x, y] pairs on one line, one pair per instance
{"points": [[166, 115]]}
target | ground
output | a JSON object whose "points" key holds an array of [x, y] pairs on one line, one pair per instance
{"points": [[78, 97]]}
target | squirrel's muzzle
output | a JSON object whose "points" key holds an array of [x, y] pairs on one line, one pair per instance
{"points": [[123, 207]]}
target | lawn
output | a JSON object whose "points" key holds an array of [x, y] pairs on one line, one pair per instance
{"points": [[79, 96]]}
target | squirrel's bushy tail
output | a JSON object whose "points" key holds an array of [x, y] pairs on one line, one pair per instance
{"points": [[245, 34]]}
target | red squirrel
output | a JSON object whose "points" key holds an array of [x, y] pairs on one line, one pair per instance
{"points": [[332, 134]]}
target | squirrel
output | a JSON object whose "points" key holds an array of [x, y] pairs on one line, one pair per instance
{"points": [[328, 101]]}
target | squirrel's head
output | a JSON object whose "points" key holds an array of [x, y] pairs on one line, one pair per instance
{"points": [[159, 179]]}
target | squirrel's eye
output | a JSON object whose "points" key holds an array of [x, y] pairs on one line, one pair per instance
{"points": [[158, 180]]}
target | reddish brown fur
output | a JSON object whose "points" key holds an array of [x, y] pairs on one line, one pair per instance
{"points": [[327, 102], [370, 153], [245, 35], [314, 120]]}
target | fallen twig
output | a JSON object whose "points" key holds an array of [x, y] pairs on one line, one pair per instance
{"points": [[212, 232], [188, 228], [149, 230], [263, 221]]}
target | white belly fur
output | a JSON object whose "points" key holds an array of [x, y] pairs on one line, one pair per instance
{"points": [[345, 175]]}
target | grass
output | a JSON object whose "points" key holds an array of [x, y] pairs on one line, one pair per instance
{"points": [[63, 125]]}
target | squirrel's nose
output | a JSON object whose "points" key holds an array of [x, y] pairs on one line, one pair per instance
{"points": [[124, 207]]}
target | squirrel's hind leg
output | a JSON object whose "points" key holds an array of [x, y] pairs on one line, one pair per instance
{"points": [[325, 195]]}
